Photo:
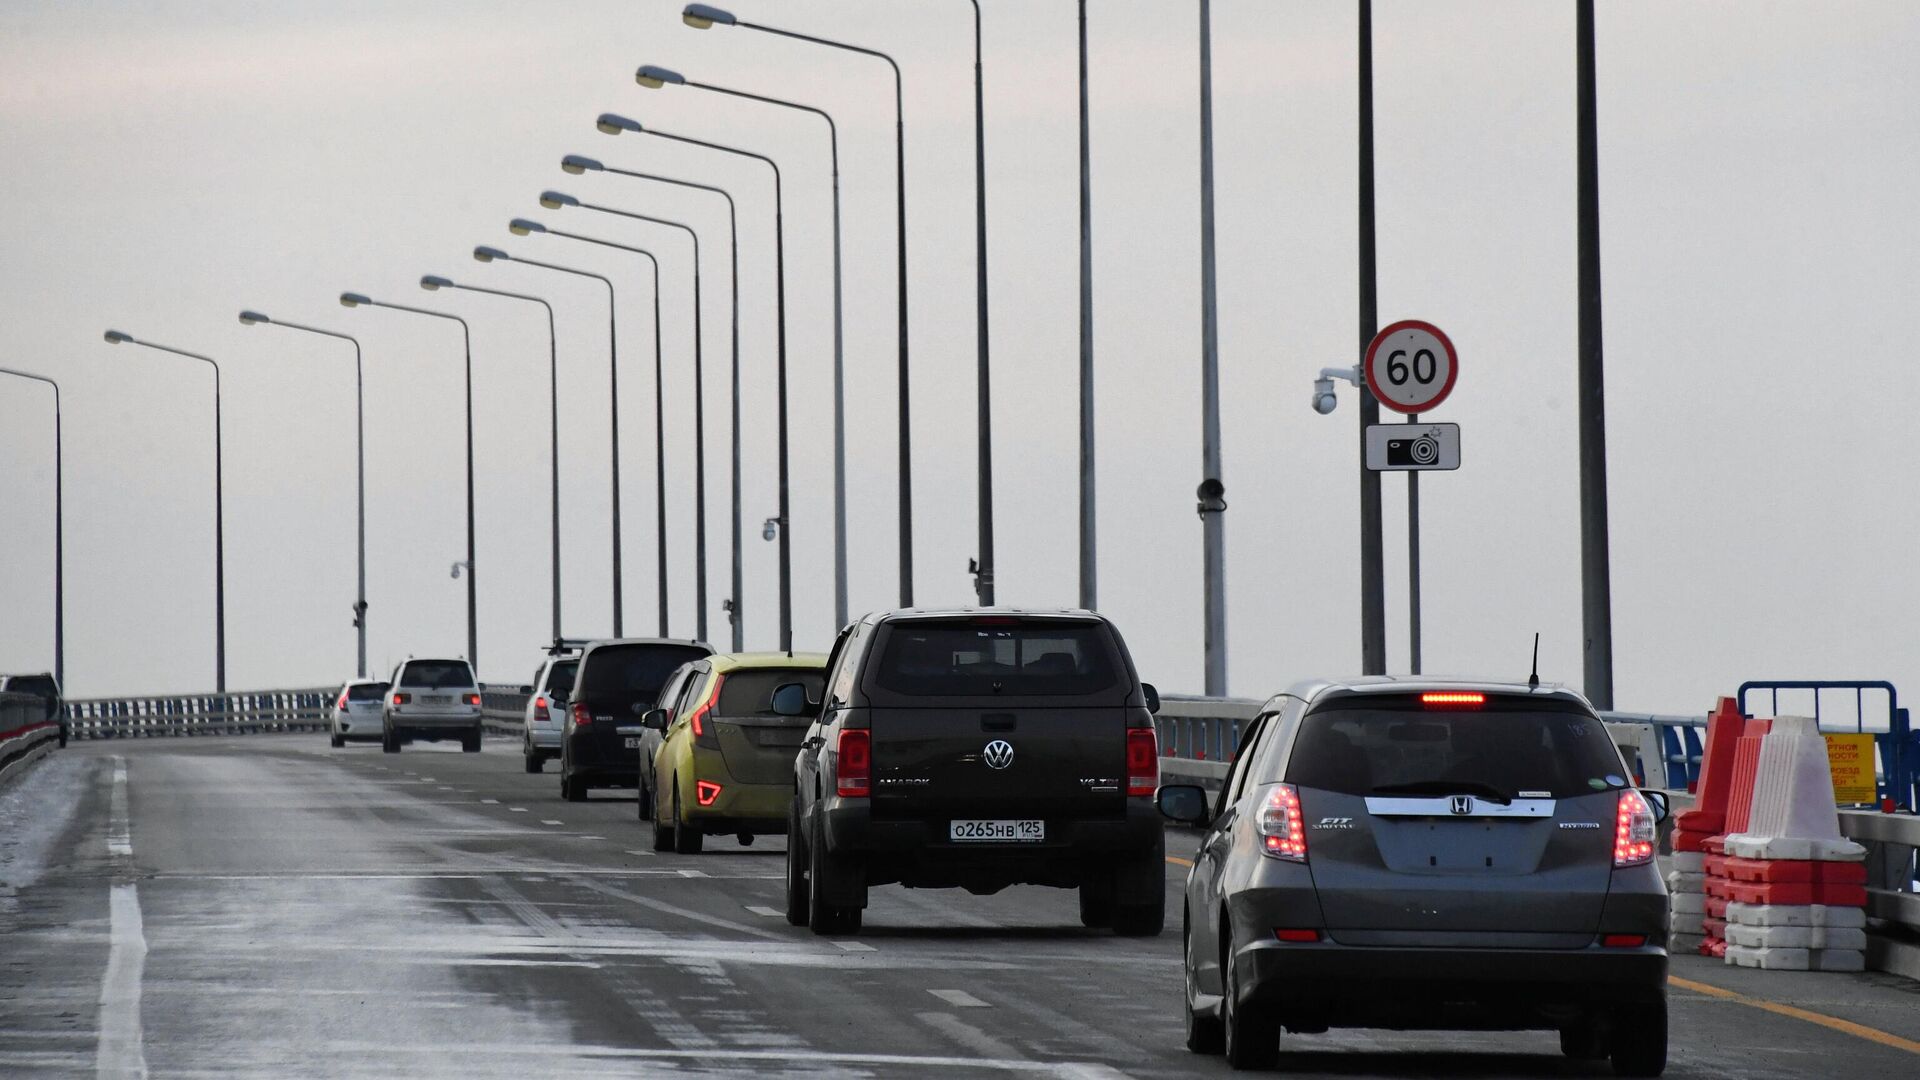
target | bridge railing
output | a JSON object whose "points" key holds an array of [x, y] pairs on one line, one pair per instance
{"points": [[248, 712]]}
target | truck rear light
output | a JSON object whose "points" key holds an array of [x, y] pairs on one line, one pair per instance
{"points": [[1453, 699], [402, 699], [1623, 941], [703, 734], [582, 716], [1633, 830], [1143, 762], [1283, 834], [853, 776], [342, 703], [705, 792], [540, 713], [473, 699], [1302, 936]]}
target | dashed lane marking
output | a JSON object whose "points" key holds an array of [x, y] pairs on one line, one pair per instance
{"points": [[1834, 1023], [854, 946], [518, 809], [692, 873], [549, 821], [771, 913], [490, 802], [960, 999]]}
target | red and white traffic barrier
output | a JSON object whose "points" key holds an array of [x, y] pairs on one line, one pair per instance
{"points": [[1687, 906], [1789, 891]]}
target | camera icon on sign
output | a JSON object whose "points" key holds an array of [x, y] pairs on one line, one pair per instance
{"points": [[1424, 450]]}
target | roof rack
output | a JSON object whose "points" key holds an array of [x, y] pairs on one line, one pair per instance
{"points": [[567, 645]]}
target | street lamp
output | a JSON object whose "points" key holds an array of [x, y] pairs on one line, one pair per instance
{"points": [[614, 125], [656, 77], [348, 299], [524, 227], [577, 165], [704, 16], [59, 534], [115, 337], [432, 282], [253, 318]]}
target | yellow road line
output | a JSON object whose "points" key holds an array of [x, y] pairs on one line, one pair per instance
{"points": [[1178, 861], [1846, 1027]]}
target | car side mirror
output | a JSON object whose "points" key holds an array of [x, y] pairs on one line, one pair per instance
{"points": [[655, 719], [790, 699], [1661, 807], [526, 688], [1152, 696], [1183, 803]]}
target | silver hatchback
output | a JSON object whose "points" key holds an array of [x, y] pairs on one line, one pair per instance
{"points": [[432, 700]]}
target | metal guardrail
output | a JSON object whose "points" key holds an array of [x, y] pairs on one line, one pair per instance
{"points": [[503, 708], [246, 713], [1893, 887]]}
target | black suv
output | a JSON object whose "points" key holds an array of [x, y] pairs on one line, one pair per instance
{"points": [[47, 689], [977, 749], [615, 685]]}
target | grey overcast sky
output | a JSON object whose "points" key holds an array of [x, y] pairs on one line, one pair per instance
{"points": [[167, 164]]}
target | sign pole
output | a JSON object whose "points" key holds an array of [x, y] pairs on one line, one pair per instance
{"points": [[1373, 603], [1413, 565]]}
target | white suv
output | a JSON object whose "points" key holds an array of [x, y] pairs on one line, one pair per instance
{"points": [[357, 712], [547, 708], [432, 700]]}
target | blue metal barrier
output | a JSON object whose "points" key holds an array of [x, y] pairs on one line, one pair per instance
{"points": [[1897, 747]]}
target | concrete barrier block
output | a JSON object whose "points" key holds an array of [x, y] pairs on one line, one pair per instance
{"points": [[1689, 903], [1679, 881], [1796, 937], [1797, 915], [1685, 922], [1681, 943], [1690, 862]]}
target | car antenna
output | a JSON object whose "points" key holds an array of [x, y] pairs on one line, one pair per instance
{"points": [[1533, 677]]}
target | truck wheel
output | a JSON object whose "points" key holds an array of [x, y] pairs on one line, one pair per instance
{"points": [[534, 762], [1252, 1037], [1583, 1040], [797, 898], [827, 876], [687, 840], [470, 744], [1096, 905], [571, 789], [1140, 920], [390, 741], [1640, 1040]]}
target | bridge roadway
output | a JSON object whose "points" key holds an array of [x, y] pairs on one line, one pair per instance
{"points": [[267, 907]]}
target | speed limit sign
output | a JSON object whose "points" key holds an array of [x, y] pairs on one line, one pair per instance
{"points": [[1411, 366]]}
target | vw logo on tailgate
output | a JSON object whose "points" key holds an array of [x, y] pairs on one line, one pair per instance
{"points": [[998, 754]]}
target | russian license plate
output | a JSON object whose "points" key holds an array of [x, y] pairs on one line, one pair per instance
{"points": [[633, 742], [1001, 832], [436, 699]]}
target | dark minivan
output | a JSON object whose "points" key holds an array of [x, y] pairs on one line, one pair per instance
{"points": [[615, 685], [976, 749], [1413, 854]]}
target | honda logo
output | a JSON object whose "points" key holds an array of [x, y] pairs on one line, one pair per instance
{"points": [[1462, 804], [998, 754]]}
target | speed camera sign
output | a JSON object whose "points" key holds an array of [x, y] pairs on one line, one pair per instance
{"points": [[1411, 366]]}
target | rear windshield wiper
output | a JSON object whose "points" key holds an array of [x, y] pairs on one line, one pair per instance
{"points": [[1447, 787]]}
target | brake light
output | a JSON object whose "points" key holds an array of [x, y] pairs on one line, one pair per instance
{"points": [[540, 712], [1283, 834], [994, 620], [854, 774], [705, 792], [343, 699], [1453, 699], [1300, 936], [473, 699], [402, 699], [1143, 762], [1623, 941], [582, 716], [701, 735], [1633, 830]]}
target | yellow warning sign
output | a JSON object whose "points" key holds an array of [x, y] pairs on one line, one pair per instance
{"points": [[1850, 757]]}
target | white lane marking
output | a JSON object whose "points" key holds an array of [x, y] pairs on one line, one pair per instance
{"points": [[119, 828], [1083, 1070], [854, 946], [967, 1035], [960, 999], [491, 802], [691, 873], [424, 779], [545, 1053], [593, 838], [518, 809], [120, 1052], [549, 821], [642, 854], [771, 913]]}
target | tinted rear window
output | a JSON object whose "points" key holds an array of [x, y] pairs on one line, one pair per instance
{"points": [[366, 691], [750, 693], [37, 685], [980, 659], [436, 674], [560, 677], [1413, 752], [634, 671]]}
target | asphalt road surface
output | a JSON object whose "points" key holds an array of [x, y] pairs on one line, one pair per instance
{"points": [[267, 907]]}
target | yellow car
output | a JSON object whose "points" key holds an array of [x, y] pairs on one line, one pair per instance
{"points": [[725, 760]]}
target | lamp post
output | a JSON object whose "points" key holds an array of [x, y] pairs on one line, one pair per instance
{"points": [[1089, 569], [578, 164], [348, 299], [1596, 574], [703, 16], [554, 200], [1212, 493], [251, 318], [656, 77], [115, 337], [613, 125], [432, 282], [524, 227], [59, 533], [983, 579]]}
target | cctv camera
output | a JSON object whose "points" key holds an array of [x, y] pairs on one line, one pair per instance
{"points": [[770, 529], [1324, 401]]}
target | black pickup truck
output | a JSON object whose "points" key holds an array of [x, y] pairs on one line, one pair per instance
{"points": [[977, 749]]}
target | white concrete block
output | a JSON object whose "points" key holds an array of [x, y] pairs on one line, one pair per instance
{"points": [[1692, 903], [1797, 915], [1686, 922], [1796, 937], [1679, 881], [1690, 862]]}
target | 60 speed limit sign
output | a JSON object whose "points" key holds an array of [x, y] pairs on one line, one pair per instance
{"points": [[1411, 366]]}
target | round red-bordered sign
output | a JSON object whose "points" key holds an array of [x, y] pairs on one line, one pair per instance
{"points": [[1411, 366]]}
